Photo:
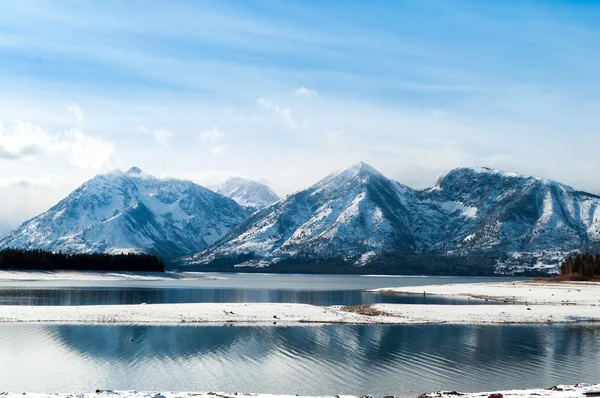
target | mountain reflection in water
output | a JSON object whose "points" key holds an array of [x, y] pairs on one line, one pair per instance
{"points": [[336, 359]]}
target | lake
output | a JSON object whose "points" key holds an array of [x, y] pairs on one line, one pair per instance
{"points": [[317, 360], [230, 288]]}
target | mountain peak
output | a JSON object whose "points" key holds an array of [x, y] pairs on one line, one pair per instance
{"points": [[238, 180], [361, 167], [247, 192], [134, 171]]}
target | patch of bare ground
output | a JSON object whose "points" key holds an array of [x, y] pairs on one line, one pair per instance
{"points": [[365, 309]]}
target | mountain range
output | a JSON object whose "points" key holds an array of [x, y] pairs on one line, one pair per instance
{"points": [[472, 221]]}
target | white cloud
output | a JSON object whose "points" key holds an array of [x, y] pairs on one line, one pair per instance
{"points": [[212, 138], [285, 113], [76, 111], [162, 137], [27, 141], [304, 92], [21, 141], [85, 151]]}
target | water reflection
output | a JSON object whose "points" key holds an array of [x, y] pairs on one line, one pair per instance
{"points": [[403, 360], [131, 295]]}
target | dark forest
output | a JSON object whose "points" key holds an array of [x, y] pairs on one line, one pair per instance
{"points": [[582, 267], [13, 259]]}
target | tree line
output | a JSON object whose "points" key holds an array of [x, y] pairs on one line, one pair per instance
{"points": [[16, 259], [582, 266]]}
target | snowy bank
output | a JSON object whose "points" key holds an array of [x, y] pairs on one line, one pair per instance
{"points": [[293, 314], [15, 276], [525, 292], [561, 391], [579, 390]]}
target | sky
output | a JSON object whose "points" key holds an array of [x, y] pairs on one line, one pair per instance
{"points": [[286, 92]]}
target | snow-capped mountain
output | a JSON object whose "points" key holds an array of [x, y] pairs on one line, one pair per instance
{"points": [[131, 212], [524, 218], [349, 215], [358, 216], [248, 193]]}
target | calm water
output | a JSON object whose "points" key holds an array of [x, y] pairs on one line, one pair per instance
{"points": [[234, 288], [115, 295], [402, 360]]}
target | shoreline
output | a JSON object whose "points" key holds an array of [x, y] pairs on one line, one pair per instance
{"points": [[526, 292], [559, 391], [285, 314], [532, 303], [37, 276]]}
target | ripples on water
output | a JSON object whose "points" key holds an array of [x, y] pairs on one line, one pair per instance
{"points": [[338, 359]]}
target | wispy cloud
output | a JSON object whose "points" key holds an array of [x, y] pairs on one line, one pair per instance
{"points": [[162, 137], [212, 139], [77, 112], [304, 92], [284, 113]]}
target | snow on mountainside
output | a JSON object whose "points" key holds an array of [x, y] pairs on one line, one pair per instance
{"points": [[248, 193], [346, 215], [523, 217], [358, 215], [131, 212]]}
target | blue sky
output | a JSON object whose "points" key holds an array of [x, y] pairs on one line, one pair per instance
{"points": [[287, 91]]}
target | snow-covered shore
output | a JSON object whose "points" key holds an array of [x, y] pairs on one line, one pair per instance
{"points": [[294, 314], [579, 390], [561, 391], [524, 292], [15, 276]]}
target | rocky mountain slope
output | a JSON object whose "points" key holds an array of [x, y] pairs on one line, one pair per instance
{"points": [[530, 220], [248, 193], [360, 217], [131, 212]]}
